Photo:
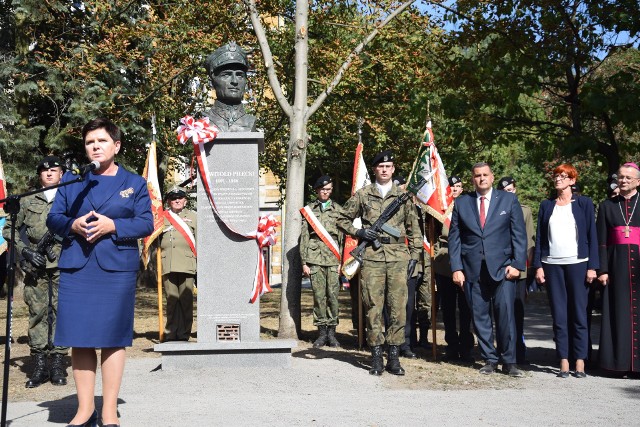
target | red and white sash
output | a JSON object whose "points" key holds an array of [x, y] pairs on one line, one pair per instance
{"points": [[320, 230], [183, 229]]}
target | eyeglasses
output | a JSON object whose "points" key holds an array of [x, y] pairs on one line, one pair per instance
{"points": [[560, 177], [627, 178]]}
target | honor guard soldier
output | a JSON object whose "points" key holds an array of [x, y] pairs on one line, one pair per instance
{"points": [[320, 249], [508, 184], [178, 251], [42, 277], [384, 270]]}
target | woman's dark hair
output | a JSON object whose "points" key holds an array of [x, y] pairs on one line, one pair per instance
{"points": [[102, 123]]}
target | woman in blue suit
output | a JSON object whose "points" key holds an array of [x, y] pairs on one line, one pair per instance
{"points": [[566, 259], [100, 220]]}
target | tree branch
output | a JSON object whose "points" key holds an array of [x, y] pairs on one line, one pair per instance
{"points": [[268, 57], [354, 53]]}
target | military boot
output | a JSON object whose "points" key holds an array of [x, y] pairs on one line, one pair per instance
{"points": [[423, 341], [322, 337], [40, 372], [331, 337], [377, 363], [393, 363], [58, 371]]}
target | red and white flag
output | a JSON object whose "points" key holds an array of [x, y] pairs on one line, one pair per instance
{"points": [[436, 193], [151, 175], [360, 179]]}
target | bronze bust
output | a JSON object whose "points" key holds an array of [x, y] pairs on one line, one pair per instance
{"points": [[227, 69]]}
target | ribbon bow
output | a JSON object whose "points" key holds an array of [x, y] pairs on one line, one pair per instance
{"points": [[265, 236], [200, 131]]}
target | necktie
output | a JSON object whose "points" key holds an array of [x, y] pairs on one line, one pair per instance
{"points": [[482, 214]]}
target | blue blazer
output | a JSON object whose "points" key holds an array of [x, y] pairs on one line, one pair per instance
{"points": [[585, 215], [128, 205], [502, 242]]}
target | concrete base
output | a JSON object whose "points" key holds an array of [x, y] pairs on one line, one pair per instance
{"points": [[178, 355]]}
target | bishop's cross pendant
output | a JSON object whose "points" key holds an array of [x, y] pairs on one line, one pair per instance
{"points": [[626, 231]]}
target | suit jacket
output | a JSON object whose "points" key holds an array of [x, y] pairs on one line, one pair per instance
{"points": [[501, 243], [128, 205], [584, 215]]}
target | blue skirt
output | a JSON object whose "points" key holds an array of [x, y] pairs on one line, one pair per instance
{"points": [[95, 307]]}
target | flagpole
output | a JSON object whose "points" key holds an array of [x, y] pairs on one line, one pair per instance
{"points": [[434, 302], [158, 256]]}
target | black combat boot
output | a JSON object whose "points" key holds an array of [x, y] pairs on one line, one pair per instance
{"points": [[58, 371], [40, 372], [331, 337], [322, 337], [377, 363], [393, 363], [423, 341]]}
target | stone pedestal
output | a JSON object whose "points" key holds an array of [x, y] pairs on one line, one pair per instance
{"points": [[228, 324]]}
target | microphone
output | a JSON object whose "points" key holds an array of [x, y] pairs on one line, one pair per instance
{"points": [[83, 170]]}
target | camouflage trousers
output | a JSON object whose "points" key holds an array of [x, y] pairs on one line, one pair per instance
{"points": [[325, 283], [36, 296], [179, 290], [384, 281]]}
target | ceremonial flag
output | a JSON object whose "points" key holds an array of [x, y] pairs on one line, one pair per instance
{"points": [[436, 193], [151, 175], [360, 179]]}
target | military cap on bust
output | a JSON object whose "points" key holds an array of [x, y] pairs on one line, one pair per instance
{"points": [[385, 156], [453, 180], [505, 181], [49, 162], [176, 193], [229, 53], [322, 181]]}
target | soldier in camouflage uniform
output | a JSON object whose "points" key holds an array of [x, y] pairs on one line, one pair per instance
{"points": [[320, 264], [384, 271], [41, 277]]}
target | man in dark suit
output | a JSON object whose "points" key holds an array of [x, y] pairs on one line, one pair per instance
{"points": [[488, 250]]}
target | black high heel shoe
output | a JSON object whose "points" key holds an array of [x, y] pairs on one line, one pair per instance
{"points": [[91, 422]]}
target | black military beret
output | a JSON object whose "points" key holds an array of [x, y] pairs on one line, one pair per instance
{"points": [[322, 181], [575, 188], [176, 193], [49, 162], [385, 156], [454, 179], [505, 181]]}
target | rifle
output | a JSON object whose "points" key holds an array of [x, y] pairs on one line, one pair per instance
{"points": [[352, 265], [44, 248]]}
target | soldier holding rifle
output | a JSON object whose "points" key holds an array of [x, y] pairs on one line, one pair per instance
{"points": [[387, 260], [40, 265]]}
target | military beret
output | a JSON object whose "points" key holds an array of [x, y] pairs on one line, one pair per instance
{"points": [[453, 180], [322, 181], [176, 193], [49, 162], [505, 181], [229, 53], [575, 188], [385, 156]]}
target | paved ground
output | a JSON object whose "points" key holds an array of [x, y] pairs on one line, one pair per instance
{"points": [[338, 391]]}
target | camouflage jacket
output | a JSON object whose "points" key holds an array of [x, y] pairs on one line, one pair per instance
{"points": [[312, 249], [32, 221], [368, 204]]}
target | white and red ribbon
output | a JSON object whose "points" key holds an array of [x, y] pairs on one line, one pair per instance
{"points": [[201, 132], [184, 230], [265, 235], [322, 232]]}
